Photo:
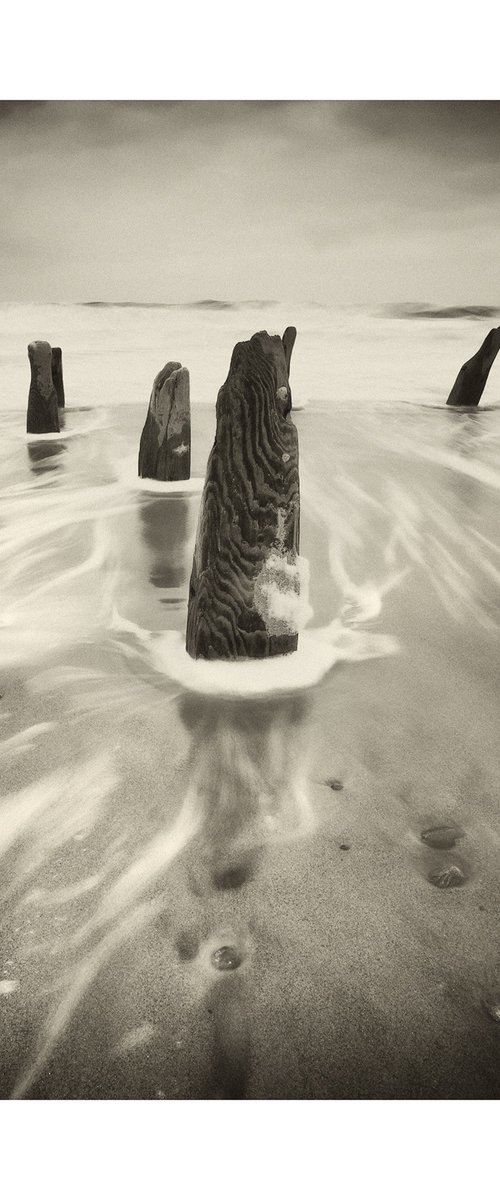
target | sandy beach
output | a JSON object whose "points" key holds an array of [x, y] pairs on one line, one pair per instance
{"points": [[145, 828]]}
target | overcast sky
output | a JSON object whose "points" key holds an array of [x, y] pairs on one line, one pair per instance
{"points": [[176, 201]]}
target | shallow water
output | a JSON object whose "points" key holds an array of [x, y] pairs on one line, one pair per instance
{"points": [[144, 828]]}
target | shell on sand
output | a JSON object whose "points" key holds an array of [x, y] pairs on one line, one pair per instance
{"points": [[226, 958], [447, 877], [442, 837]]}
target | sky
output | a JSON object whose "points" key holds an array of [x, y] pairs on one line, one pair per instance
{"points": [[176, 201]]}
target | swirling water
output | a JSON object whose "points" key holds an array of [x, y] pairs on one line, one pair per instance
{"points": [[130, 806]]}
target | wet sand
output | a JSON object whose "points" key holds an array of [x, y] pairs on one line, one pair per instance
{"points": [[357, 976]]}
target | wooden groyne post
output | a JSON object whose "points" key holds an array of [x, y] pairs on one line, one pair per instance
{"points": [[43, 416], [245, 582], [288, 340], [165, 446], [57, 375], [472, 377]]}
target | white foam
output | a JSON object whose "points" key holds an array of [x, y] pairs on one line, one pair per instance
{"points": [[52, 437], [100, 420], [174, 487], [301, 669], [126, 473]]}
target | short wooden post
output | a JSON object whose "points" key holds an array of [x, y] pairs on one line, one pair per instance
{"points": [[57, 375], [42, 414], [165, 446], [472, 377], [245, 582]]}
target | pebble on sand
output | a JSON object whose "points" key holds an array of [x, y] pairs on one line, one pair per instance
{"points": [[226, 958], [447, 877], [442, 837], [335, 784]]}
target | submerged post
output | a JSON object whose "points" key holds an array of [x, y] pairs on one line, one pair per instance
{"points": [[244, 592], [472, 377], [165, 446], [43, 416], [57, 375]]}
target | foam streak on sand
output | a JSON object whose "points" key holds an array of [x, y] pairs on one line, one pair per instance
{"points": [[406, 519], [50, 813], [79, 983], [55, 808], [44, 605]]}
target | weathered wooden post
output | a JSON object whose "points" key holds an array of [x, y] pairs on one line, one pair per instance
{"points": [[471, 379], [165, 446], [42, 415], [57, 375], [245, 582], [288, 340]]}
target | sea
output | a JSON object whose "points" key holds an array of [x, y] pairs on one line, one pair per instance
{"points": [[102, 748]]}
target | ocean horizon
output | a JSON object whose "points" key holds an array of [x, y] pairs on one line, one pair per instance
{"points": [[364, 355]]}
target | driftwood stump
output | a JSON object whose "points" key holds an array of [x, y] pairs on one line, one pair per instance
{"points": [[165, 447], [288, 340], [43, 416], [245, 583], [57, 375], [471, 379]]}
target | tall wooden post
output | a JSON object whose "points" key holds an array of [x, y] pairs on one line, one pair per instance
{"points": [[57, 375], [288, 340], [165, 446], [42, 414], [472, 377], [245, 582]]}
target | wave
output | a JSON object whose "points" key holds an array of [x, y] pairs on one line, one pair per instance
{"points": [[432, 312], [211, 305]]}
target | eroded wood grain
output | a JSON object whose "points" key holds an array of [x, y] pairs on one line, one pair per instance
{"points": [[165, 446], [245, 585], [57, 375], [42, 416]]}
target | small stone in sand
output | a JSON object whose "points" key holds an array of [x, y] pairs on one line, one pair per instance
{"points": [[344, 846], [226, 958], [335, 785], [442, 837], [447, 877]]}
